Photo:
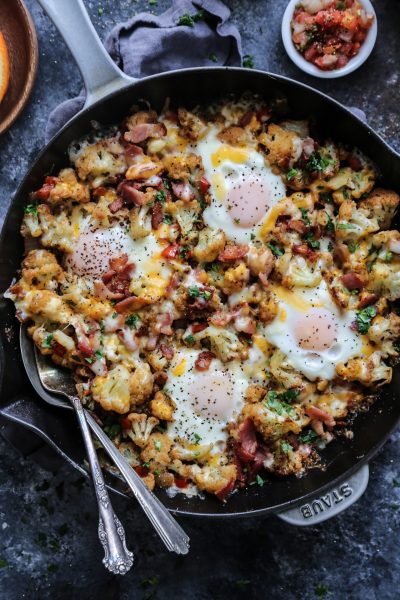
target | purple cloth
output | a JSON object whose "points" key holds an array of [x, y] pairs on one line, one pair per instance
{"points": [[149, 44]]}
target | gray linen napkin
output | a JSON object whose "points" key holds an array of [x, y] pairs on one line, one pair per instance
{"points": [[149, 44]]}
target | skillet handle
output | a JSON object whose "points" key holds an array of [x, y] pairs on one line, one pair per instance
{"points": [[330, 504], [100, 74]]}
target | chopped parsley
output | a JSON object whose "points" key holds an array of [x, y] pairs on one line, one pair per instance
{"points": [[99, 353], [131, 321], [168, 219], [213, 57], [330, 226], [47, 341], [153, 2], [330, 247], [190, 20], [321, 590], [395, 483], [31, 209], [195, 292], [340, 5], [353, 247], [184, 252], [100, 10], [304, 216], [252, 236], [157, 445], [196, 438], [89, 359], [3, 563], [248, 61], [258, 480], [237, 220], [160, 196], [364, 318], [286, 447], [311, 241], [278, 402], [112, 430], [307, 436], [291, 174], [276, 251], [317, 162], [189, 339], [388, 256], [345, 226]]}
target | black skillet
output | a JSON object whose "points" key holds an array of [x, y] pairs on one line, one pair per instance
{"points": [[110, 95]]}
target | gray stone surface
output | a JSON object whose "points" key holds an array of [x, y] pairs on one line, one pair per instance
{"points": [[48, 541]]}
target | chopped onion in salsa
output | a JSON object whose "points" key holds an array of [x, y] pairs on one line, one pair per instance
{"points": [[329, 33]]}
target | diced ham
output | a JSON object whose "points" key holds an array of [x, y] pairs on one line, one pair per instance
{"points": [[246, 118], [143, 131], [99, 367], [232, 252], [152, 343], [128, 303], [308, 146], [160, 378], [116, 205], [261, 457], [203, 361], [240, 473], [353, 281], [83, 341], [196, 327], [133, 153], [163, 324], [118, 263], [367, 299], [320, 415], [245, 324], [183, 191], [131, 195], [102, 292], [167, 351], [341, 253], [304, 250], [248, 440], [220, 319]]}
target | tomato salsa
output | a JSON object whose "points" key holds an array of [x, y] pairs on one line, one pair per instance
{"points": [[329, 33]]}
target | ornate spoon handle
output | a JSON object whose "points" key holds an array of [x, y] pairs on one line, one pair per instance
{"points": [[171, 533], [118, 559]]}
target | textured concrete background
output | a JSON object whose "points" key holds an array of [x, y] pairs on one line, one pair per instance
{"points": [[48, 541]]}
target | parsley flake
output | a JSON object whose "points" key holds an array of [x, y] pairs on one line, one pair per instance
{"points": [[364, 318], [248, 61]]}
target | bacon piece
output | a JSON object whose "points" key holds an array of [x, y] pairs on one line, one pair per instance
{"points": [[223, 492], [367, 299], [44, 192], [57, 348], [304, 250], [204, 185], [263, 114], [197, 327], [99, 191], [131, 194], [116, 205], [167, 351], [308, 147], [220, 319], [160, 378], [132, 153], [246, 118], [240, 473], [354, 162], [264, 279], [152, 342], [143, 131], [83, 342], [261, 455], [170, 251], [128, 338], [99, 367], [232, 252], [353, 281], [203, 361], [341, 253], [157, 215], [297, 225], [118, 263], [163, 323], [248, 440], [141, 470], [130, 302], [103, 292], [320, 415], [317, 426], [245, 324], [172, 285], [183, 191]]}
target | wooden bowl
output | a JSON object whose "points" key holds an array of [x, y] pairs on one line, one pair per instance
{"points": [[20, 36]]}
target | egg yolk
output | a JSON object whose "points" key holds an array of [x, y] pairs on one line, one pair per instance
{"points": [[316, 330], [248, 202], [213, 394]]}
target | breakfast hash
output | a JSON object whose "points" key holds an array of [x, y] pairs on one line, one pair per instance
{"points": [[220, 281]]}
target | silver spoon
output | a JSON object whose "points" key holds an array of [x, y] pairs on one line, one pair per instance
{"points": [[45, 375]]}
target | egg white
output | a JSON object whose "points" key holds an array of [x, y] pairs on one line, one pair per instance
{"points": [[293, 308], [227, 168]]}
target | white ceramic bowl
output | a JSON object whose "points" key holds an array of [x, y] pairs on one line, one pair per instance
{"points": [[311, 69]]}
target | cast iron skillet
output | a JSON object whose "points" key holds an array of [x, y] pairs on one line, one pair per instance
{"points": [[189, 86]]}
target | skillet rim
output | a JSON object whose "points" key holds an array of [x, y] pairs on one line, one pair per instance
{"points": [[327, 101]]}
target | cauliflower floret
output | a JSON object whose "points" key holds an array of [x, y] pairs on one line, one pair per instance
{"points": [[287, 461], [351, 183], [384, 332], [385, 279], [271, 424], [161, 407], [210, 244], [30, 224], [41, 269], [298, 273], [354, 223], [100, 160], [214, 479], [141, 428], [48, 305], [260, 260], [186, 213], [235, 278], [112, 390], [192, 126], [182, 167], [224, 342], [283, 371], [283, 146], [140, 219], [193, 452], [57, 230], [129, 452], [382, 205], [156, 451], [67, 186], [370, 371], [141, 384]]}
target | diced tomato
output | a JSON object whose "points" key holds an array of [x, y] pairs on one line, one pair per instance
{"points": [[125, 423], [100, 191], [203, 185], [170, 251], [329, 18], [141, 471], [44, 192], [196, 327], [180, 482]]}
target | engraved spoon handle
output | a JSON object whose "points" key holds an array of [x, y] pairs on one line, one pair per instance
{"points": [[118, 559], [171, 533]]}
